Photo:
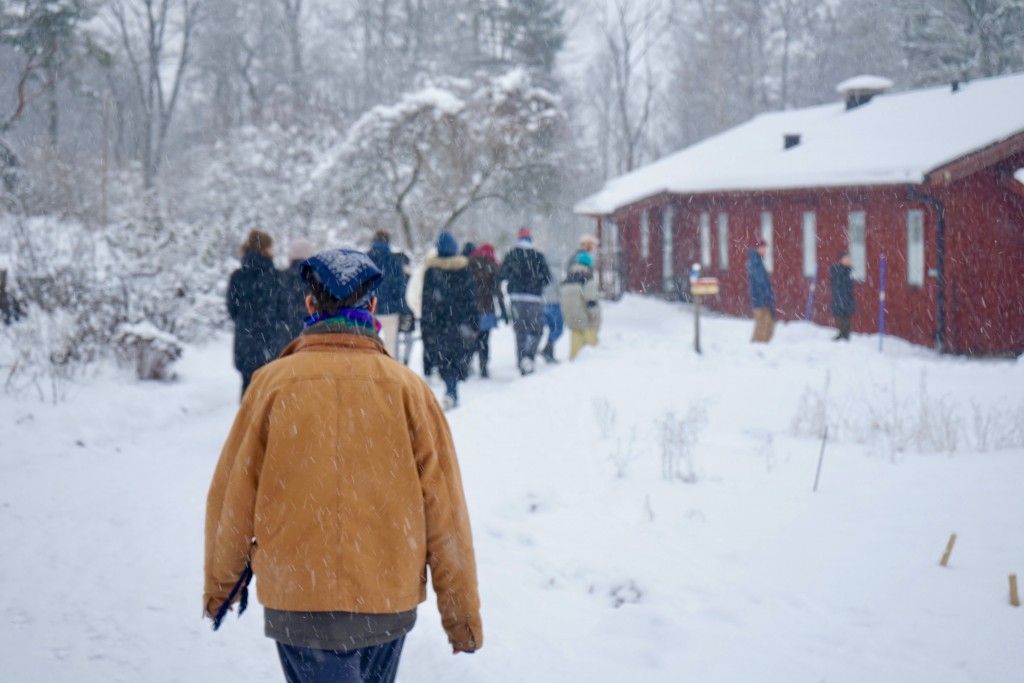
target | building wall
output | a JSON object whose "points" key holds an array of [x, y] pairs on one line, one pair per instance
{"points": [[985, 261], [984, 256]]}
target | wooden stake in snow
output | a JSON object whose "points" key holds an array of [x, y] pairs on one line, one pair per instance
{"points": [[949, 550], [1014, 597], [821, 458]]}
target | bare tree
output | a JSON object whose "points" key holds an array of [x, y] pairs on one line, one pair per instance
{"points": [[153, 32]]}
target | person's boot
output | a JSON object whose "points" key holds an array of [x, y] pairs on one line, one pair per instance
{"points": [[549, 353], [483, 372]]}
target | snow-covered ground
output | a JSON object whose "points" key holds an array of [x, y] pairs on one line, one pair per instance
{"points": [[593, 565]]}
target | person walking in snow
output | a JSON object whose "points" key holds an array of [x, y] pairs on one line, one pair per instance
{"points": [[581, 304], [554, 321], [484, 266], [293, 308], [391, 295], [841, 283], [337, 487], [588, 244], [762, 298], [450, 319], [526, 272], [255, 303]]}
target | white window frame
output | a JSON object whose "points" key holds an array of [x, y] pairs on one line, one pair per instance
{"points": [[645, 235], [915, 248], [723, 241], [667, 244], [809, 222], [705, 239], [857, 230], [768, 235]]}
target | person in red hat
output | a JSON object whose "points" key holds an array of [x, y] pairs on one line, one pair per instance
{"points": [[762, 298], [526, 271]]}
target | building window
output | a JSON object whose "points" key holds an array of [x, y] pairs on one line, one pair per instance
{"points": [[810, 222], [666, 243], [915, 248], [705, 239], [858, 252], [723, 241], [769, 239], [645, 235]]}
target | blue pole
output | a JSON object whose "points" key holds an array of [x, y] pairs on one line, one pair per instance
{"points": [[810, 295], [881, 303]]}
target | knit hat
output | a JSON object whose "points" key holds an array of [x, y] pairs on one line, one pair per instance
{"points": [[343, 273], [524, 234], [585, 259], [587, 238], [485, 250], [446, 245], [300, 250], [757, 244], [468, 248]]}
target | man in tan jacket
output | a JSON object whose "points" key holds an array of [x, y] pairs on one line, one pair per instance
{"points": [[337, 487]]}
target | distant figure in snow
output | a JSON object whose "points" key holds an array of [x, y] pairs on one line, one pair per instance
{"points": [[484, 266], [553, 318], [841, 283], [391, 295], [337, 487], [526, 272], [588, 244], [255, 302], [294, 291], [581, 304], [762, 298], [450, 319], [414, 299]]}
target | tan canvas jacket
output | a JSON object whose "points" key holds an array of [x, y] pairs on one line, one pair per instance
{"points": [[339, 480]]}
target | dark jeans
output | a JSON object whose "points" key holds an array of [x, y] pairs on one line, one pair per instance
{"points": [[843, 323], [528, 322], [483, 347], [376, 664]]}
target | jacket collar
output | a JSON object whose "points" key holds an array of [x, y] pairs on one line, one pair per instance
{"points": [[334, 341]]}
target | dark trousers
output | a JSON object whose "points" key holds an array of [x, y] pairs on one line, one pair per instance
{"points": [[843, 323], [483, 348], [376, 664], [528, 322]]}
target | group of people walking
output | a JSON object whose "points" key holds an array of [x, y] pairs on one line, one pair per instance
{"points": [[762, 296], [457, 297]]}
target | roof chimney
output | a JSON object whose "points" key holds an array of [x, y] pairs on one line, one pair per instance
{"points": [[860, 89], [790, 140]]}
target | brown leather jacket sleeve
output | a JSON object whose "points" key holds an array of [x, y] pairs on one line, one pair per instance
{"points": [[449, 537], [230, 503]]}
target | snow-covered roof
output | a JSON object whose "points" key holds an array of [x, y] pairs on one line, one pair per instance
{"points": [[894, 139]]}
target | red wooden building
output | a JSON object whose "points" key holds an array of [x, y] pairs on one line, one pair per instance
{"points": [[933, 180]]}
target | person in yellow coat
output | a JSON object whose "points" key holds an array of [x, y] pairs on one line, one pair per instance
{"points": [[581, 306], [338, 486]]}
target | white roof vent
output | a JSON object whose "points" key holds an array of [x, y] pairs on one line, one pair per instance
{"points": [[860, 89]]}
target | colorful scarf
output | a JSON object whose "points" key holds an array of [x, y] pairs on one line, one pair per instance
{"points": [[358, 318]]}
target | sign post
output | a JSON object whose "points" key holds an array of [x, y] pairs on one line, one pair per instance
{"points": [[700, 287]]}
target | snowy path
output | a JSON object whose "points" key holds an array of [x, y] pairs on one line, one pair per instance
{"points": [[592, 566]]}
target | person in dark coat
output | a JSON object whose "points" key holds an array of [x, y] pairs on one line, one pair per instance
{"points": [[450, 320], [484, 266], [843, 306], [254, 303], [293, 291], [391, 304], [527, 273], [762, 298]]}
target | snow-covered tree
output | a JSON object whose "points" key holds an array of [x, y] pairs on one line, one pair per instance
{"points": [[455, 143]]}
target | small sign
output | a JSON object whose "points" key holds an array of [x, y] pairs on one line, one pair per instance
{"points": [[704, 286]]}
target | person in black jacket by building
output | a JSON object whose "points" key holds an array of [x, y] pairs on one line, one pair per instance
{"points": [[450, 320], [526, 271], [255, 303], [843, 306]]}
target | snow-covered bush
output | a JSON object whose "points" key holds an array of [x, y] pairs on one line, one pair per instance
{"points": [[679, 436], [148, 350]]}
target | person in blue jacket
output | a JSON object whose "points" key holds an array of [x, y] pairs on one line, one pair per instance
{"points": [[762, 298], [391, 294]]}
